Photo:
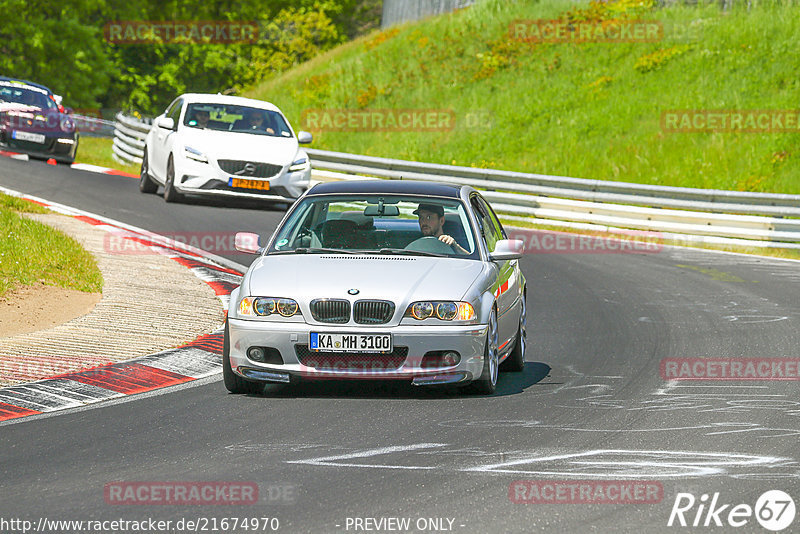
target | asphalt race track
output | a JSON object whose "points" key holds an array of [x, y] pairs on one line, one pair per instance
{"points": [[591, 405]]}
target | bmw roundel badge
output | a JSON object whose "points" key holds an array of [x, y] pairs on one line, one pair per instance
{"points": [[353, 291]]}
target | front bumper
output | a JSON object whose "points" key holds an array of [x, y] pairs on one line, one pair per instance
{"points": [[291, 340], [59, 147], [198, 178]]}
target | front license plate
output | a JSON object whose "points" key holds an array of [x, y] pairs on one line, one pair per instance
{"points": [[373, 343], [28, 136], [249, 184]]}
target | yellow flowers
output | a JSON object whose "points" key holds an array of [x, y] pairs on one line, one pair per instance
{"points": [[502, 53], [600, 82], [600, 11], [779, 157], [366, 96], [659, 58], [380, 38]]}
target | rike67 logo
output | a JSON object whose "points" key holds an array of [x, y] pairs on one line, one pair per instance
{"points": [[774, 510]]}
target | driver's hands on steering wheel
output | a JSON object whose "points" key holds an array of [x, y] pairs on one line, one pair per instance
{"points": [[446, 239], [449, 241]]}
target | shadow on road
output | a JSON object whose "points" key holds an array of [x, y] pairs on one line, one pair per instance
{"points": [[232, 202], [507, 384]]}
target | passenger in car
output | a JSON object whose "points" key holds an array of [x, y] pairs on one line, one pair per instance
{"points": [[431, 221], [201, 117]]}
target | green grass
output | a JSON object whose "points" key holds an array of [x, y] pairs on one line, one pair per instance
{"points": [[97, 151], [581, 110], [32, 252], [20, 205]]}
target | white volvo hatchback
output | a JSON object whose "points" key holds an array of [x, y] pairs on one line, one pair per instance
{"points": [[226, 146]]}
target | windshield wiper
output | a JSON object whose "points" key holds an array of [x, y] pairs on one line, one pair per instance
{"points": [[318, 250], [405, 252]]}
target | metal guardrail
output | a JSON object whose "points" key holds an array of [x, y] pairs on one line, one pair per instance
{"points": [[129, 136], [735, 217], [757, 218], [93, 126], [578, 188]]}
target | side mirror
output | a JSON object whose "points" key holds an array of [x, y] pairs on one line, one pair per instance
{"points": [[247, 242], [507, 249], [166, 122], [304, 138]]}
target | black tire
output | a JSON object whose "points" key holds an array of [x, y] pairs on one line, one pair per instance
{"points": [[233, 382], [146, 184], [170, 193], [75, 150], [486, 384], [516, 360]]}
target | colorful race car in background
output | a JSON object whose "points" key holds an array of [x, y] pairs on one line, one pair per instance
{"points": [[33, 122]]}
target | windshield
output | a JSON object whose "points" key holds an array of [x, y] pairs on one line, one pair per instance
{"points": [[382, 224], [29, 96], [232, 118]]}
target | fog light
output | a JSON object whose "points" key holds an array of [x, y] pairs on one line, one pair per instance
{"points": [[256, 354], [450, 358]]}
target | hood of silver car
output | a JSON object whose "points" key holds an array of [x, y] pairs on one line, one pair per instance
{"points": [[401, 279]]}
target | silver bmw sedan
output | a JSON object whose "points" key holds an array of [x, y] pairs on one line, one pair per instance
{"points": [[379, 279]]}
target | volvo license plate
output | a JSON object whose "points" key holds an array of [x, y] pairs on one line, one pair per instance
{"points": [[249, 184]]}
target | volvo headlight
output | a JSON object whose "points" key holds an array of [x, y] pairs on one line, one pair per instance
{"points": [[444, 310], [194, 154], [299, 164], [264, 306]]}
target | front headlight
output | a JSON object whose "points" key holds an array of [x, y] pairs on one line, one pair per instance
{"points": [[444, 310], [264, 306], [299, 164], [194, 154], [67, 125]]}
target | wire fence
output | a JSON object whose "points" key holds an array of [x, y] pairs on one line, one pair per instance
{"points": [[398, 11]]}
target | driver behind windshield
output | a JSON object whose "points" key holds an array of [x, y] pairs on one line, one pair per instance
{"points": [[431, 222], [29, 98], [256, 120]]}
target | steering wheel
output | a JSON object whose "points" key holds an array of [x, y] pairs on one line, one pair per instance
{"points": [[429, 244]]}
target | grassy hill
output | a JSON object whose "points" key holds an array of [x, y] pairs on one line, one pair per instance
{"points": [[32, 252], [590, 109]]}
